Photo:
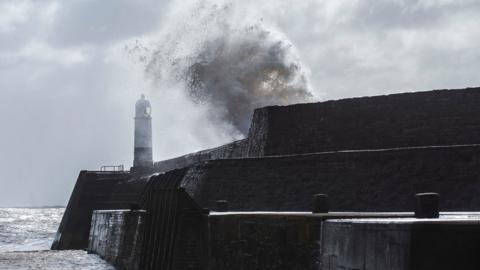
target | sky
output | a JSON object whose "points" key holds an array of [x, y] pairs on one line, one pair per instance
{"points": [[71, 71]]}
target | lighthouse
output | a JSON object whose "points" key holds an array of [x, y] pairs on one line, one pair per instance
{"points": [[142, 155]]}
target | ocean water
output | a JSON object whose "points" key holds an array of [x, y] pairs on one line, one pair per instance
{"points": [[26, 235]]}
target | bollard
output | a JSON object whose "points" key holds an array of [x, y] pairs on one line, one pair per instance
{"points": [[222, 205], [320, 203], [427, 205]]}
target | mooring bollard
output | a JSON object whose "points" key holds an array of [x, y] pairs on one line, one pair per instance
{"points": [[320, 203], [222, 205], [427, 205]]}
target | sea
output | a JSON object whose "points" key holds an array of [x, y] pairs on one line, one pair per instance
{"points": [[26, 235]]}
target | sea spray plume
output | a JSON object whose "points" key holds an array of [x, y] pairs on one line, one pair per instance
{"points": [[244, 70], [232, 69]]}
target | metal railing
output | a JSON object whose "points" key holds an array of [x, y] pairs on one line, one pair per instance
{"points": [[112, 168]]}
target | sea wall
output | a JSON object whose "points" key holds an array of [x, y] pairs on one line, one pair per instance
{"points": [[380, 245], [442, 117], [184, 238], [269, 241], [117, 237], [272, 240], [401, 244], [175, 226], [287, 240], [375, 180], [95, 191], [235, 149], [431, 118]]}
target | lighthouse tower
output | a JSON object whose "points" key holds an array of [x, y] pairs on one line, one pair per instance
{"points": [[142, 155]]}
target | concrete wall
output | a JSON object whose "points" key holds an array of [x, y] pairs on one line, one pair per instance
{"points": [[289, 240], [373, 246], [232, 150], [400, 244], [444, 117], [271, 240], [441, 117], [175, 226], [116, 236], [256, 241], [355, 181], [95, 191]]}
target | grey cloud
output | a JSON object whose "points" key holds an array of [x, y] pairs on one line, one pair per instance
{"points": [[59, 116], [84, 22], [388, 16], [376, 47]]}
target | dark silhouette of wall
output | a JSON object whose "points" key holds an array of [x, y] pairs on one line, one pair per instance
{"points": [[117, 236], [174, 226], [281, 242], [400, 244], [440, 117], [236, 149], [371, 180], [94, 191], [308, 136]]}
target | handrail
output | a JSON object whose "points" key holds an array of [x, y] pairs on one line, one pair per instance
{"points": [[112, 168]]}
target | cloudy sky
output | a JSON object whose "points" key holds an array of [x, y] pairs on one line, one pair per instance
{"points": [[68, 81]]}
